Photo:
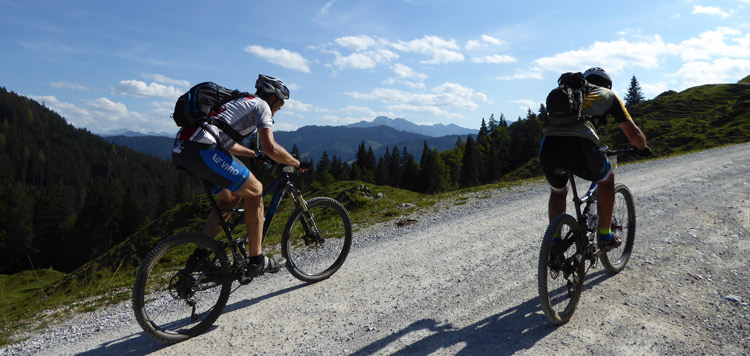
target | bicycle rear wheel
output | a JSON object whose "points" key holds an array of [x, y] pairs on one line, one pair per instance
{"points": [[315, 243], [623, 225], [561, 269], [178, 292]]}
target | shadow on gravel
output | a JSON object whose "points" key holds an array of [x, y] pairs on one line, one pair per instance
{"points": [[142, 344], [506, 333]]}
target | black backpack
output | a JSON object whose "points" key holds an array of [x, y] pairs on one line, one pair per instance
{"points": [[564, 103], [198, 104]]}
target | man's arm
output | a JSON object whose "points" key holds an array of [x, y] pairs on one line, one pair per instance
{"points": [[274, 150], [634, 134]]}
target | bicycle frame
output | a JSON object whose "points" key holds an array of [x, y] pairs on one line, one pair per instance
{"points": [[280, 186]]}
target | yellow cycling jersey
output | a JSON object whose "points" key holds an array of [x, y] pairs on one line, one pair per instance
{"points": [[598, 103]]}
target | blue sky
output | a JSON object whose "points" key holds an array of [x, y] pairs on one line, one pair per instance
{"points": [[107, 65]]}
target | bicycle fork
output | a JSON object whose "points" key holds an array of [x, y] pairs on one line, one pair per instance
{"points": [[312, 234]]}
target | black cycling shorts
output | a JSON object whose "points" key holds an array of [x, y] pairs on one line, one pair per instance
{"points": [[576, 154], [210, 163]]}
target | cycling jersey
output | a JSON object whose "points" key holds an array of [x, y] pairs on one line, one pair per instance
{"points": [[197, 150], [245, 115], [598, 103], [574, 146]]}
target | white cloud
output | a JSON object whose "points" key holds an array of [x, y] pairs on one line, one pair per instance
{"points": [[721, 70], [326, 8], [365, 60], [282, 57], [425, 109], [483, 41], [141, 89], [615, 56], [709, 10], [296, 105], [68, 85], [714, 43], [492, 40], [159, 78], [357, 43], [441, 50], [494, 59], [531, 73], [448, 96]]}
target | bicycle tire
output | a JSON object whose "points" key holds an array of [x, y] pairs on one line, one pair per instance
{"points": [[307, 258], [165, 286], [560, 280], [623, 223]]}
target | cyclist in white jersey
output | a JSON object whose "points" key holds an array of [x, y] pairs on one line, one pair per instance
{"points": [[211, 154]]}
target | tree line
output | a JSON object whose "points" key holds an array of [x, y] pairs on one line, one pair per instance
{"points": [[67, 195], [498, 149]]}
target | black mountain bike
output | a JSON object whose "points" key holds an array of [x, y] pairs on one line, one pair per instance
{"points": [[185, 281], [563, 265]]}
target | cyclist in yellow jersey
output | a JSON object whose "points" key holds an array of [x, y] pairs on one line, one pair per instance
{"points": [[575, 147]]}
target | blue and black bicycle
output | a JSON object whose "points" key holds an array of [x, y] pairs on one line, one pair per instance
{"points": [[185, 281]]}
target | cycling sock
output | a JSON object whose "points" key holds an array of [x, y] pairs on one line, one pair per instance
{"points": [[557, 238], [255, 260], [605, 234]]}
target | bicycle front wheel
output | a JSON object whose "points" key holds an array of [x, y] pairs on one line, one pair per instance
{"points": [[181, 287], [561, 269], [623, 225], [316, 242]]}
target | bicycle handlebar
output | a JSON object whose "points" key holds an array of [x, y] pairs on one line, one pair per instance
{"points": [[264, 157]]}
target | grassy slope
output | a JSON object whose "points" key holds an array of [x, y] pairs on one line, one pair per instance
{"points": [[697, 118]]}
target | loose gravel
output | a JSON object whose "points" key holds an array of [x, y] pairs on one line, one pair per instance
{"points": [[462, 281]]}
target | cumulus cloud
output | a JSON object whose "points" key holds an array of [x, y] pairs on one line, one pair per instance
{"points": [[141, 89], [617, 55], [365, 60], [282, 57], [721, 42], [709, 10], [357, 43], [494, 59], [442, 50], [439, 102], [721, 70]]}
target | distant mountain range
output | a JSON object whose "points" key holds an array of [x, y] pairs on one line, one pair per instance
{"points": [[399, 124], [312, 141]]}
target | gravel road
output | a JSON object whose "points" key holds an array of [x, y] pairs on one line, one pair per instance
{"points": [[462, 281]]}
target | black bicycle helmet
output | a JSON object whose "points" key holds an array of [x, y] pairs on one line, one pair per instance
{"points": [[270, 85], [597, 76]]}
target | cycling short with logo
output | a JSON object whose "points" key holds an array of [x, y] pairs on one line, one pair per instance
{"points": [[210, 163], [576, 154]]}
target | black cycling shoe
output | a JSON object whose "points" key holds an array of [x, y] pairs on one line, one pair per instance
{"points": [[607, 245], [557, 255], [269, 265]]}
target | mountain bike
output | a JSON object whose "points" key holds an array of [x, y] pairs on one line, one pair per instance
{"points": [[184, 282], [563, 264]]}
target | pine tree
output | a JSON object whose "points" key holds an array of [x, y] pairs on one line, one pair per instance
{"points": [[634, 95], [470, 169], [482, 132]]}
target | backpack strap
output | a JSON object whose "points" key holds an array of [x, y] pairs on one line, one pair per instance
{"points": [[227, 129]]}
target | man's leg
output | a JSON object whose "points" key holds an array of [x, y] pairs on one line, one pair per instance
{"points": [[227, 200], [252, 192], [557, 202], [606, 201]]}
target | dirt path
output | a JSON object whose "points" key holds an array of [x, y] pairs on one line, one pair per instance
{"points": [[463, 282]]}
